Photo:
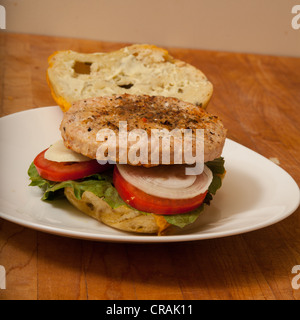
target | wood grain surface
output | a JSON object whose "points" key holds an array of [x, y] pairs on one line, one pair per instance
{"points": [[258, 99]]}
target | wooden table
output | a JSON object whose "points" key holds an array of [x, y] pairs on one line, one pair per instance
{"points": [[258, 98]]}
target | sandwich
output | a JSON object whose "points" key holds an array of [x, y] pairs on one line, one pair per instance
{"points": [[111, 163]]}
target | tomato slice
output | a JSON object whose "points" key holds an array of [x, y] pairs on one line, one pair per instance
{"points": [[63, 171], [142, 201]]}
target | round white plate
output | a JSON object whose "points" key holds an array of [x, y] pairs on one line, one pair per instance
{"points": [[255, 193]]}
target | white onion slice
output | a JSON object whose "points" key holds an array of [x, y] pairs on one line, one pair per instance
{"points": [[168, 182]]}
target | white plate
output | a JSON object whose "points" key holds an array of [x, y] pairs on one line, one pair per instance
{"points": [[255, 193]]}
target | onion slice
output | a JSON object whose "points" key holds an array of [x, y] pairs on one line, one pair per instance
{"points": [[168, 181]]}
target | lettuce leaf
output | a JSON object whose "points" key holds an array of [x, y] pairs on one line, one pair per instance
{"points": [[101, 185], [217, 165], [184, 219]]}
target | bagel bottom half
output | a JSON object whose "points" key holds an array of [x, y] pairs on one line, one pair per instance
{"points": [[123, 218]]}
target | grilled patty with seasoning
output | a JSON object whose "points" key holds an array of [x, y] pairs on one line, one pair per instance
{"points": [[85, 118]]}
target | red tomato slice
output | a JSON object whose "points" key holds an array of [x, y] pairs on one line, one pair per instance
{"points": [[63, 171], [142, 201]]}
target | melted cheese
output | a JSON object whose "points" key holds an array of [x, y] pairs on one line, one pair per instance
{"points": [[59, 153]]}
